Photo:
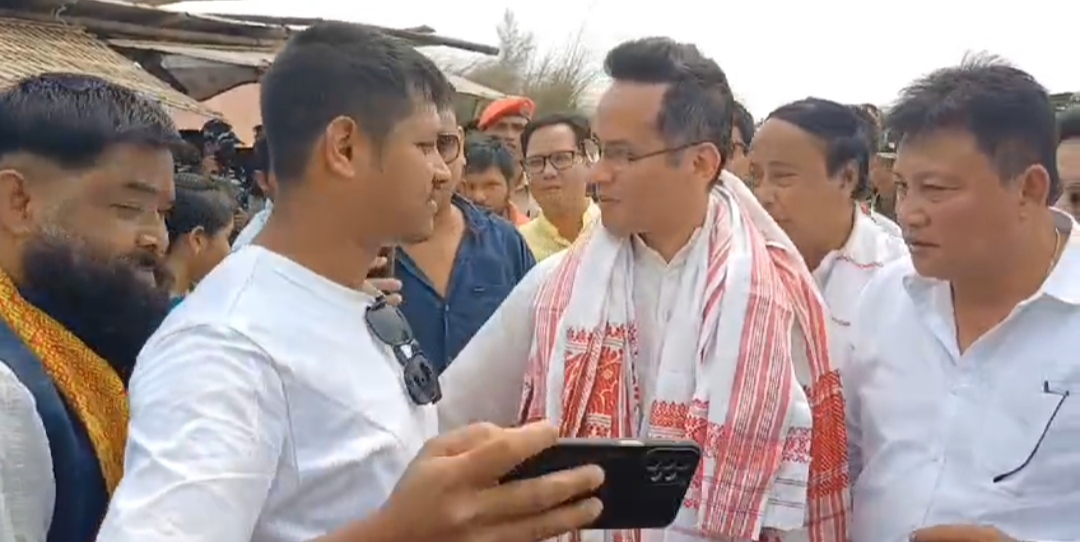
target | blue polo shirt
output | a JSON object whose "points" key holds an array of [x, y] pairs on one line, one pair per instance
{"points": [[490, 260]]}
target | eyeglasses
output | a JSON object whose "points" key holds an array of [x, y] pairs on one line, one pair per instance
{"points": [[561, 160], [449, 147], [622, 157], [389, 326], [1062, 395]]}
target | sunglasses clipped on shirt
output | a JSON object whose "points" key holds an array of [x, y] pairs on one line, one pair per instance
{"points": [[389, 326]]}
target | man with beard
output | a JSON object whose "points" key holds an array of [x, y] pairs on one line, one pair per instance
{"points": [[281, 402], [85, 177]]}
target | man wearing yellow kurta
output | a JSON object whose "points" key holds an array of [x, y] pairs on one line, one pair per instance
{"points": [[558, 151]]}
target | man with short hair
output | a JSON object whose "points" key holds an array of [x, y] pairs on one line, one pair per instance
{"points": [[505, 119], [742, 133], [488, 177], [453, 280], [963, 428], [1068, 160], [687, 314], [559, 149], [281, 402], [86, 176]]}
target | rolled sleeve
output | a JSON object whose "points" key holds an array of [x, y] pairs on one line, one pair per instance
{"points": [[208, 426]]}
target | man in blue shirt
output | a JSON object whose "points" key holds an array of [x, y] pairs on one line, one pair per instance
{"points": [[452, 282]]}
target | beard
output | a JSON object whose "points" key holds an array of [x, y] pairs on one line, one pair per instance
{"points": [[105, 300]]}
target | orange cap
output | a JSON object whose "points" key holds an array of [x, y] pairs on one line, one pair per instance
{"points": [[504, 107]]}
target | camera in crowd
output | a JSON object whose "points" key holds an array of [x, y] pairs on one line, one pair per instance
{"points": [[217, 152]]}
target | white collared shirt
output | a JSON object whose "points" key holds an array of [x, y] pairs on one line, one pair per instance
{"points": [[484, 383], [263, 409], [987, 437], [843, 274]]}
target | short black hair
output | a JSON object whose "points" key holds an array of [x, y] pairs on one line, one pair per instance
{"points": [[199, 202], [744, 121], [334, 69], [577, 124], [1006, 110], [261, 153], [697, 107], [871, 124], [483, 152], [72, 119], [1068, 124], [841, 129]]}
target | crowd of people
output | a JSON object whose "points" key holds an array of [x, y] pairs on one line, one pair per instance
{"points": [[863, 318]]}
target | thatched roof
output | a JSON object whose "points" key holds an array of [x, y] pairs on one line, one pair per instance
{"points": [[29, 48]]}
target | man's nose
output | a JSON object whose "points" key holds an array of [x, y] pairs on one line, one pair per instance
{"points": [[155, 240]]}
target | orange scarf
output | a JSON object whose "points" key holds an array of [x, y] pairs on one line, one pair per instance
{"points": [[88, 384]]}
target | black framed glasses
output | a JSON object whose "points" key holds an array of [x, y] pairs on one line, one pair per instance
{"points": [[562, 160], [621, 157], [449, 147], [389, 326]]}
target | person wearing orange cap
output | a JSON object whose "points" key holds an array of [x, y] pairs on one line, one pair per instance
{"points": [[505, 119]]}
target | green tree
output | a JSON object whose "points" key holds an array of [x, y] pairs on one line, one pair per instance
{"points": [[558, 80]]}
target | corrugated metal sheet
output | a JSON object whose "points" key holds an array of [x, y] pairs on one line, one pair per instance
{"points": [[29, 48], [241, 57], [236, 56]]}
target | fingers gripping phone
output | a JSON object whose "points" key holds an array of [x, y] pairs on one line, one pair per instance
{"points": [[644, 481]]}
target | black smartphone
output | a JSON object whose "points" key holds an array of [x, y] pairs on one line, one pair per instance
{"points": [[645, 481]]}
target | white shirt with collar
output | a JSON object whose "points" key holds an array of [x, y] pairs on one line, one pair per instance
{"points": [[263, 409], [843, 274], [987, 437], [484, 383]]}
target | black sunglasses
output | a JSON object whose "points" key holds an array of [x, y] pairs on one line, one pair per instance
{"points": [[390, 327]]}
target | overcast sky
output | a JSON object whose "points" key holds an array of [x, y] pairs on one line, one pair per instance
{"points": [[773, 51]]}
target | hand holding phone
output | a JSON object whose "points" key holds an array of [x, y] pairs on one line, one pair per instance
{"points": [[450, 492], [644, 481]]}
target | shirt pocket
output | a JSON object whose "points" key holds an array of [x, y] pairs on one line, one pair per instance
{"points": [[1030, 445]]}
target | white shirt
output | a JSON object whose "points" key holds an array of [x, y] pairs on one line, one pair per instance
{"points": [[27, 486], [253, 227], [843, 274], [931, 428], [263, 409], [484, 383]]}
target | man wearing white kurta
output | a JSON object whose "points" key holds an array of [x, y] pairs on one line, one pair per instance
{"points": [[649, 324], [962, 418], [843, 274]]}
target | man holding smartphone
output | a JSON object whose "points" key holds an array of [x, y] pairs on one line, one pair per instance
{"points": [[281, 401]]}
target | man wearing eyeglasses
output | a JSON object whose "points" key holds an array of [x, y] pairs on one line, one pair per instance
{"points": [[676, 317], [558, 152], [453, 281]]}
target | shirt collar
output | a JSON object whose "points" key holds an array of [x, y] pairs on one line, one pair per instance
{"points": [[1063, 282], [549, 230]]}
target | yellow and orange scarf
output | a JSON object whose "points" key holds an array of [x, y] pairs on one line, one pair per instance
{"points": [[87, 383]]}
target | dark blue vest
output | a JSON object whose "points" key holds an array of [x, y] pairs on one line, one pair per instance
{"points": [[81, 496]]}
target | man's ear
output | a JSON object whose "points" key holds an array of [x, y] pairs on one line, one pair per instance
{"points": [[15, 215]]}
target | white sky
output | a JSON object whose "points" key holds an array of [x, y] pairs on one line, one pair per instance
{"points": [[773, 51]]}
